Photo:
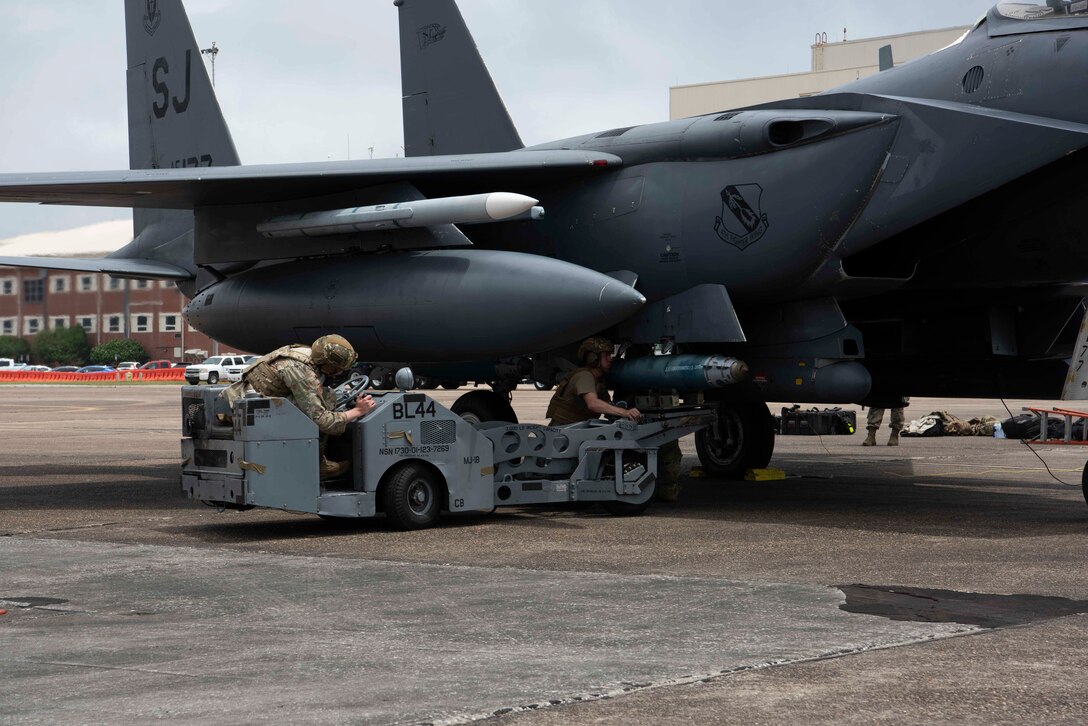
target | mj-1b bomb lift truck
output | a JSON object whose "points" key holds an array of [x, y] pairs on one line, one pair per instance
{"points": [[411, 457]]}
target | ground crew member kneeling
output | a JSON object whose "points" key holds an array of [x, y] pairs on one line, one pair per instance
{"points": [[583, 396], [296, 373]]}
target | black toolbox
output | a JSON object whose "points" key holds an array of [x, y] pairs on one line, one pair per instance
{"points": [[828, 422]]}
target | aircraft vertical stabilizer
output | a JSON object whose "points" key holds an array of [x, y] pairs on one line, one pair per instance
{"points": [[174, 120], [450, 102]]}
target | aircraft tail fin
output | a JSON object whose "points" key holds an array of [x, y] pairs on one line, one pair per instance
{"points": [[174, 120], [450, 102]]}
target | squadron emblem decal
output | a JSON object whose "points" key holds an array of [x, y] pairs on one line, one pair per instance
{"points": [[743, 222], [430, 34], [152, 16]]}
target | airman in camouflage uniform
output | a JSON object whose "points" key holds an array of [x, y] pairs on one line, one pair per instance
{"points": [[295, 373], [872, 423]]}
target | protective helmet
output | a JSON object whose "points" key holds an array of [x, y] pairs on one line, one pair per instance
{"points": [[333, 350], [589, 352]]}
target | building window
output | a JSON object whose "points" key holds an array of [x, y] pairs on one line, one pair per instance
{"points": [[113, 324], [141, 323], [169, 323], [32, 324], [7, 326], [58, 321], [88, 283], [60, 283], [33, 290], [115, 283], [143, 284], [7, 286], [89, 323]]}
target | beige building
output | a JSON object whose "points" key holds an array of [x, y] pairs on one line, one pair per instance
{"points": [[833, 64]]}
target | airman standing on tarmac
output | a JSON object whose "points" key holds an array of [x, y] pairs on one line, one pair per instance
{"points": [[872, 423], [296, 373]]}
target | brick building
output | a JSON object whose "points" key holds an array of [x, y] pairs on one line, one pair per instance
{"points": [[107, 308]]}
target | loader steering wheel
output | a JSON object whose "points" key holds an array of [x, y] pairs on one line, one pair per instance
{"points": [[349, 390]]}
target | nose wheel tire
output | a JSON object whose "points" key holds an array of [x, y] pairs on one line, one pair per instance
{"points": [[413, 497]]}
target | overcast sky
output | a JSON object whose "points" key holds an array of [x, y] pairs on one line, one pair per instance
{"points": [[320, 80]]}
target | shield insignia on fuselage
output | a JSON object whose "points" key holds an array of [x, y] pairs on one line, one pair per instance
{"points": [[743, 222], [152, 16], [430, 34]]}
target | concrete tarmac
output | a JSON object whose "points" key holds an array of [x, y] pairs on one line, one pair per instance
{"points": [[128, 603]]}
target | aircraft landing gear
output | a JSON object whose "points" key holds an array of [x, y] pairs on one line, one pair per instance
{"points": [[480, 406], [743, 439]]}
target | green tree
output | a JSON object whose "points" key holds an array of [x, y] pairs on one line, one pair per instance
{"points": [[16, 348], [63, 346], [113, 352]]}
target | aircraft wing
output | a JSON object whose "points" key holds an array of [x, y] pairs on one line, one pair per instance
{"points": [[254, 184], [132, 268]]}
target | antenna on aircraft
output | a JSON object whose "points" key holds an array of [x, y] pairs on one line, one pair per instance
{"points": [[213, 52]]}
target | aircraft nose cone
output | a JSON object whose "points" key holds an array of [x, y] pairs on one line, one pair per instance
{"points": [[618, 301]]}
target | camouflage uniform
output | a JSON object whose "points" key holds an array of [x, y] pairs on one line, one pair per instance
{"points": [[289, 372], [872, 423], [876, 415], [568, 405]]}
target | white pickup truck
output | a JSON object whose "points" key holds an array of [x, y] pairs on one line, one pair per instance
{"points": [[218, 368], [9, 364]]}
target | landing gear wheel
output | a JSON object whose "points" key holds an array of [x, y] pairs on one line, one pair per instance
{"points": [[543, 386], [742, 440], [481, 406], [380, 382], [213, 378], [412, 496]]}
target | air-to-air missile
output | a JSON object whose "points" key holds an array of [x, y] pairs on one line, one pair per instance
{"points": [[677, 372], [378, 303], [472, 209]]}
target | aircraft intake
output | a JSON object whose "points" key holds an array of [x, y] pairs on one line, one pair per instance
{"points": [[677, 372], [447, 305]]}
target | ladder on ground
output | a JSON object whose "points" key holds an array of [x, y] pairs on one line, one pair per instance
{"points": [[1069, 416]]}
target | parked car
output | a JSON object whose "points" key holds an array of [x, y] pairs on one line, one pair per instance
{"points": [[37, 369], [95, 369], [156, 365], [128, 365], [66, 369], [217, 368]]}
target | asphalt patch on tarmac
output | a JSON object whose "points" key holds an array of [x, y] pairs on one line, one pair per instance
{"points": [[920, 605], [30, 602]]}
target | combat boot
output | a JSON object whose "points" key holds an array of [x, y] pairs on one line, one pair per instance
{"points": [[893, 440], [870, 440], [333, 469]]}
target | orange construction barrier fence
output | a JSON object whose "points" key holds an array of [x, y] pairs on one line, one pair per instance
{"points": [[135, 376]]}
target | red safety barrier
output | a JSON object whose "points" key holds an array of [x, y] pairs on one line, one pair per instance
{"points": [[133, 376]]}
